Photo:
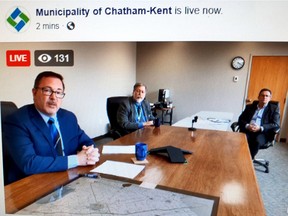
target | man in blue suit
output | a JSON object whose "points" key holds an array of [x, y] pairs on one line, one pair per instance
{"points": [[30, 144], [259, 121]]}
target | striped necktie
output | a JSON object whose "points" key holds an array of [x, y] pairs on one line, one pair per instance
{"points": [[55, 136]]}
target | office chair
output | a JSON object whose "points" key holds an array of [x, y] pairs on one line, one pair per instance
{"points": [[261, 162], [7, 108], [112, 106]]}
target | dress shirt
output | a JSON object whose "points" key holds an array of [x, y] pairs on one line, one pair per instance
{"points": [[257, 117], [140, 117]]}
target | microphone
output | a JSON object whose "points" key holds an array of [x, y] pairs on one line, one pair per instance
{"points": [[193, 121]]}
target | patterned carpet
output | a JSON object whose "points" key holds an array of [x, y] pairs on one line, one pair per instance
{"points": [[274, 185]]}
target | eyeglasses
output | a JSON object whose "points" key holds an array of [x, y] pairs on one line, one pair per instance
{"points": [[139, 91], [263, 95], [48, 92]]}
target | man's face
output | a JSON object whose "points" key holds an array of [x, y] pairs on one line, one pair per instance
{"points": [[139, 94], [48, 105], [264, 97]]}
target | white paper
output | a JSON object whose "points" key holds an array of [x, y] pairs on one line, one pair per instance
{"points": [[148, 185], [115, 149], [119, 169]]}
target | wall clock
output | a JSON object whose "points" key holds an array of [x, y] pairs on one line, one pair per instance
{"points": [[238, 62]]}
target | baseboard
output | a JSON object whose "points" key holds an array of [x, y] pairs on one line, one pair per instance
{"points": [[283, 140]]}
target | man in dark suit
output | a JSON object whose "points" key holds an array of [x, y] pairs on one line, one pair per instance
{"points": [[259, 121], [30, 143], [135, 113]]}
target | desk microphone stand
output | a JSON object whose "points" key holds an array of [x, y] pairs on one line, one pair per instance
{"points": [[193, 120]]}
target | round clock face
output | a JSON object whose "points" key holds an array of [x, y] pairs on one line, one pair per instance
{"points": [[237, 62]]}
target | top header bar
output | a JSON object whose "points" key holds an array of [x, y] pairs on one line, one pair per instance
{"points": [[130, 20]]}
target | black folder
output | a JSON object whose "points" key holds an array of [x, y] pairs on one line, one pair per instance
{"points": [[176, 155]]}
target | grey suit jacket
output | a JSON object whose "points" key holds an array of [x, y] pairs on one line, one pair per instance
{"points": [[126, 114]]}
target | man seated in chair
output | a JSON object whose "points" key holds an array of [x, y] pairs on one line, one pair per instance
{"points": [[135, 113], [42, 137], [259, 121]]}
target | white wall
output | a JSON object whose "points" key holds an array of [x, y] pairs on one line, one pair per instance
{"points": [[100, 70], [199, 74]]}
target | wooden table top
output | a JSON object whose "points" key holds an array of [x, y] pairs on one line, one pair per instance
{"points": [[220, 166]]}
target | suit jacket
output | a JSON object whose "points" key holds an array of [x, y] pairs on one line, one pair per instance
{"points": [[270, 119], [126, 115], [30, 144]]}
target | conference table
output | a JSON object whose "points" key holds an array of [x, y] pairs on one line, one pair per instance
{"points": [[220, 167]]}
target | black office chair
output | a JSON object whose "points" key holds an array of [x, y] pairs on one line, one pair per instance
{"points": [[112, 106], [7, 108], [261, 162]]}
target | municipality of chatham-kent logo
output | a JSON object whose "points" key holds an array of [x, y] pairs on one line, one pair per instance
{"points": [[18, 19]]}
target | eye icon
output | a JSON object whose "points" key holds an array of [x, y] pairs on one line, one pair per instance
{"points": [[44, 58]]}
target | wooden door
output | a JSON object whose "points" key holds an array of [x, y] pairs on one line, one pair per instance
{"points": [[269, 72]]}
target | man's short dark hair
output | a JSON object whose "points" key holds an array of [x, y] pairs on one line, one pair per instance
{"points": [[265, 89], [48, 74]]}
